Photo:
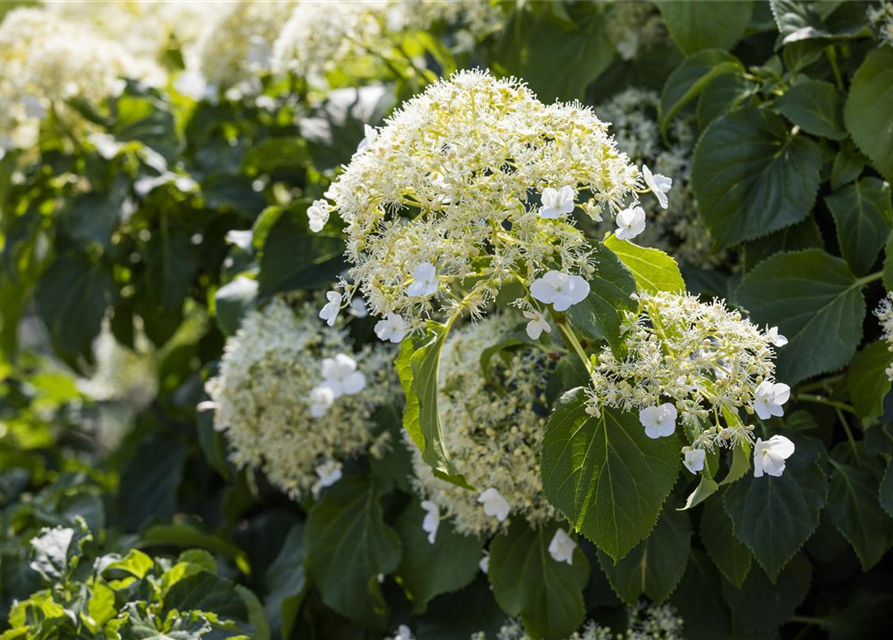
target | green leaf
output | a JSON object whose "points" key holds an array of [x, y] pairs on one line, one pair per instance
{"points": [[288, 153], [868, 122], [774, 517], [72, 297], [690, 78], [655, 566], [848, 165], [348, 547], [751, 176], [293, 258], [286, 583], [149, 482], [610, 288], [171, 262], [136, 563], [428, 570], [653, 270], [797, 21], [232, 301], [814, 299], [417, 366], [705, 25], [527, 582], [457, 616], [604, 474], [528, 45], [854, 506], [803, 235], [699, 600], [147, 120], [867, 380], [729, 555], [203, 591], [723, 94], [863, 216], [760, 605], [885, 491], [814, 106]]}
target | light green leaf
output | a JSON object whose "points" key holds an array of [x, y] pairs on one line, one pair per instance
{"points": [[863, 216], [136, 563], [655, 566], [527, 582], [348, 547], [690, 78], [751, 176], [774, 517], [854, 506], [868, 122], [814, 106], [203, 591], [705, 25], [653, 270], [814, 299], [610, 288], [604, 474], [867, 380], [729, 555], [417, 366], [428, 570]]}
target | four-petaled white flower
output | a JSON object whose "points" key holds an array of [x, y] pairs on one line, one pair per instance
{"points": [[431, 521], [769, 456], [331, 309], [392, 328], [424, 281], [630, 223], [562, 547], [321, 398], [329, 473], [557, 202], [537, 324], [494, 504], [371, 134], [561, 290], [659, 185], [776, 338], [318, 213], [358, 308], [341, 376], [404, 633], [484, 563], [658, 421], [768, 398], [694, 459]]}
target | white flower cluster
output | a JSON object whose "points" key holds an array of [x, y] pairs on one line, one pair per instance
{"points": [[470, 186], [675, 228], [294, 399], [881, 18], [493, 432], [635, 26], [645, 622], [45, 60], [696, 360], [884, 314]]}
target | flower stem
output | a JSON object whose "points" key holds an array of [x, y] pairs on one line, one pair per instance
{"points": [[809, 397], [849, 433], [571, 338]]}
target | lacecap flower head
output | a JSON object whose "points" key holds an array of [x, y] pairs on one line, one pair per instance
{"points": [[472, 185], [295, 399]]}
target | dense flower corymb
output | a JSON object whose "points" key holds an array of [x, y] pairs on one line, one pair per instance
{"points": [[294, 399], [493, 437], [475, 179], [884, 314]]}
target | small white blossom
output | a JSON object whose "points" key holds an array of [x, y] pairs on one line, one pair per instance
{"points": [[424, 281], [561, 290], [329, 473], [537, 324], [557, 202], [494, 504], [341, 376], [562, 547], [321, 398], [630, 223], [358, 308], [484, 563], [331, 309], [769, 456], [694, 460], [206, 405], [769, 397], [431, 521], [392, 328], [659, 185], [776, 338], [404, 633], [658, 421], [371, 136], [318, 213]]}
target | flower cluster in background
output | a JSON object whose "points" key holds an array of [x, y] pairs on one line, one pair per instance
{"points": [[493, 430], [295, 400], [881, 18], [884, 314]]}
